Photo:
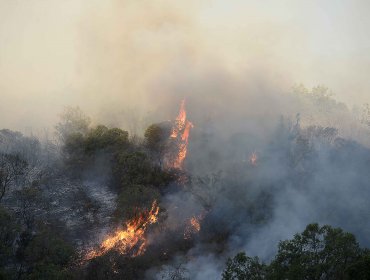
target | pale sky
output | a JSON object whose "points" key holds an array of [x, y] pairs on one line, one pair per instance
{"points": [[92, 53]]}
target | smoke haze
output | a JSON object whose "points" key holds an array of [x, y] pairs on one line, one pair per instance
{"points": [[129, 63], [114, 58]]}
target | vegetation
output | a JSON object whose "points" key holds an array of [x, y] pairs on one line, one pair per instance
{"points": [[244, 267], [317, 253], [58, 200]]}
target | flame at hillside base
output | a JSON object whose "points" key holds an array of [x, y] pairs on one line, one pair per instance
{"points": [[180, 133], [130, 241]]}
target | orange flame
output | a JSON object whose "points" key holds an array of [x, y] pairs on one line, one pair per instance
{"points": [[131, 240], [181, 132], [253, 159], [180, 121], [193, 226], [195, 223]]}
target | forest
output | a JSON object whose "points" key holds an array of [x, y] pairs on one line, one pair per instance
{"points": [[185, 202], [184, 140]]}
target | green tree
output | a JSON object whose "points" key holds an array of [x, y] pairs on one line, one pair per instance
{"points": [[12, 167], [135, 198], [102, 268], [72, 121], [47, 256], [114, 266], [316, 253], [242, 267], [156, 136], [74, 151], [136, 168], [102, 138], [30, 203], [81, 150], [176, 272], [14, 142], [360, 269], [9, 232]]}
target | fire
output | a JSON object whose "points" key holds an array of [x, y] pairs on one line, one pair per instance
{"points": [[192, 227], [253, 159], [195, 224], [183, 146], [130, 241], [180, 122], [181, 132]]}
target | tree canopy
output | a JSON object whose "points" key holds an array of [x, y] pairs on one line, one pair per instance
{"points": [[316, 253]]}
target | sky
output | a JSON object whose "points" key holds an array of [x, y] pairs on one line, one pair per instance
{"points": [[127, 56]]}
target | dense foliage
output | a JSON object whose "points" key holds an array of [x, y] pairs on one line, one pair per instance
{"points": [[60, 198], [317, 253]]}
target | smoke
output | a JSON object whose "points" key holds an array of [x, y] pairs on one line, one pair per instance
{"points": [[124, 62], [129, 63], [302, 175]]}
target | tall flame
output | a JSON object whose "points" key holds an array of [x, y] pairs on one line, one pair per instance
{"points": [[180, 121], [181, 132], [131, 240]]}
